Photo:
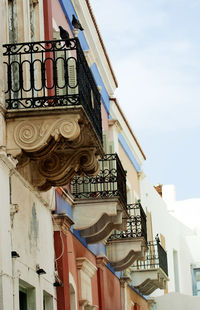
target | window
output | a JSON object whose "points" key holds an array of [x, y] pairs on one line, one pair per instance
{"points": [[176, 271], [47, 301], [12, 20], [32, 20], [13, 38], [196, 281], [22, 300], [26, 296]]}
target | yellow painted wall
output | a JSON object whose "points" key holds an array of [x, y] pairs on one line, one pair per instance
{"points": [[132, 297]]}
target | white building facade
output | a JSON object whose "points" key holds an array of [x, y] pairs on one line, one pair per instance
{"points": [[177, 226]]}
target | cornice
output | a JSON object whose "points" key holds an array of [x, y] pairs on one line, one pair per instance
{"points": [[86, 266], [62, 222]]}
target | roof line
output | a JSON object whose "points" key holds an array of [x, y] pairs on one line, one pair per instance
{"points": [[101, 41], [131, 131]]}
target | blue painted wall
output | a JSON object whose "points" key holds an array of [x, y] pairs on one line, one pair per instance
{"points": [[99, 82], [128, 152], [69, 10], [62, 206], [97, 248], [78, 236]]}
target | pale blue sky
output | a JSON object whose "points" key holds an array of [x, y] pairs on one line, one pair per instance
{"points": [[154, 47]]}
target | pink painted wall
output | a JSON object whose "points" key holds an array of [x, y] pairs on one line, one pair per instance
{"points": [[59, 16], [111, 282], [111, 291], [75, 250], [104, 117]]}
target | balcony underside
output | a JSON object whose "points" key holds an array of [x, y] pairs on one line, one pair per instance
{"points": [[147, 281], [52, 144], [96, 218], [122, 253], [102, 229]]}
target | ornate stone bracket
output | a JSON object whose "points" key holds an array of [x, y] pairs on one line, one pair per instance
{"points": [[32, 135], [60, 167], [51, 146], [96, 218], [123, 252], [147, 281]]}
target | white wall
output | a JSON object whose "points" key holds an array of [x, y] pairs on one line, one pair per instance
{"points": [[32, 238], [177, 301], [178, 237], [29, 232], [5, 241]]}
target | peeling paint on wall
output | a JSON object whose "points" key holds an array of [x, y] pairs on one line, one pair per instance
{"points": [[34, 230]]}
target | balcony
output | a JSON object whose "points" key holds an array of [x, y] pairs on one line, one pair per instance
{"points": [[151, 273], [125, 247], [53, 112], [100, 202]]}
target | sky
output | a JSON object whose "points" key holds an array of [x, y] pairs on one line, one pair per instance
{"points": [[154, 48]]}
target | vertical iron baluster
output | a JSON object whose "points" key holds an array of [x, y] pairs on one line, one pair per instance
{"points": [[9, 80], [65, 72], [20, 75], [32, 74], [55, 78], [43, 75]]}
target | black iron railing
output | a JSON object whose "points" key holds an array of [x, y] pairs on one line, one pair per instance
{"points": [[136, 224], [51, 73], [110, 182], [155, 257]]}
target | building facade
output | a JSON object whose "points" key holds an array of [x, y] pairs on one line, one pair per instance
{"points": [[177, 226], [73, 229]]}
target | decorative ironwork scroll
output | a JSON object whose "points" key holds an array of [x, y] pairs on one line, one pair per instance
{"points": [[110, 181], [51, 74], [155, 257], [136, 224]]}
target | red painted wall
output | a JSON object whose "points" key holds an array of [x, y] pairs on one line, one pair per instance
{"points": [[61, 254], [105, 285], [111, 291], [76, 249]]}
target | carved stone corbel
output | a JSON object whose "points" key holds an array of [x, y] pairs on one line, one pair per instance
{"points": [[34, 133], [60, 167], [52, 145]]}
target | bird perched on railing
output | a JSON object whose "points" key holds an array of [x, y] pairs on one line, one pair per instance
{"points": [[76, 23], [157, 238], [64, 34]]}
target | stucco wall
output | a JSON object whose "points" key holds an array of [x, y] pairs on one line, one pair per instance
{"points": [[59, 17], [32, 238], [178, 302], [111, 291], [111, 283], [176, 236], [6, 281], [132, 176], [133, 298], [77, 250]]}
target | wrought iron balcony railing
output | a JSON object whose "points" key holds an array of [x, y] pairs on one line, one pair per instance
{"points": [[136, 224], [155, 257], [110, 182], [51, 74]]}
